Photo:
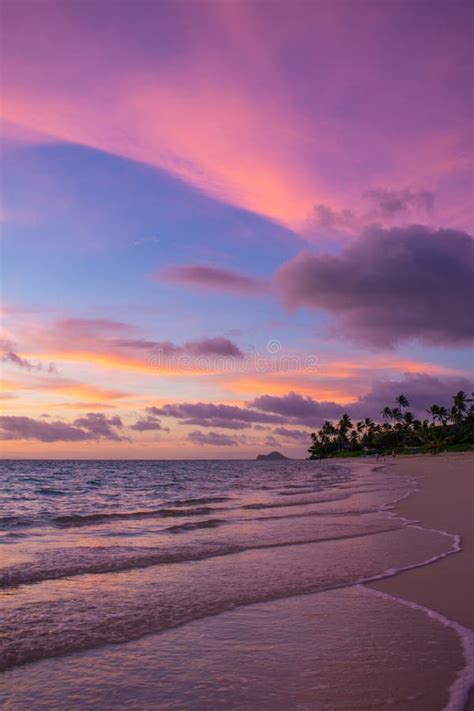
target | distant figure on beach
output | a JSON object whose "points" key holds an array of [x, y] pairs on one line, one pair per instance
{"points": [[393, 454]]}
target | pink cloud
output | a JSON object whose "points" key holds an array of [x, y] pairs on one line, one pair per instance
{"points": [[212, 279], [262, 118], [117, 344]]}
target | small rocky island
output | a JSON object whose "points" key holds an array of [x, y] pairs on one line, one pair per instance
{"points": [[272, 455]]}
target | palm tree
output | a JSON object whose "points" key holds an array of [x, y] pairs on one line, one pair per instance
{"points": [[354, 439], [434, 438], [454, 426], [402, 401], [345, 422], [328, 430], [434, 411], [344, 425], [443, 414], [460, 401], [397, 414]]}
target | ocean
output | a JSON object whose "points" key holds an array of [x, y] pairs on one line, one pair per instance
{"points": [[216, 584]]}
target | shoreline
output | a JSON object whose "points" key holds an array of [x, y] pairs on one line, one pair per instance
{"points": [[443, 501], [390, 626]]}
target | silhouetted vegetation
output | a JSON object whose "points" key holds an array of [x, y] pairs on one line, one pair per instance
{"points": [[399, 431]]}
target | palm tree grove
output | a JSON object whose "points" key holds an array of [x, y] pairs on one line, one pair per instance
{"points": [[446, 429]]}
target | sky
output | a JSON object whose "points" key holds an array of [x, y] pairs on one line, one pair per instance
{"points": [[225, 222]]}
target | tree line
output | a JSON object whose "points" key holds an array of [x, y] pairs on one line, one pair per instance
{"points": [[399, 431]]}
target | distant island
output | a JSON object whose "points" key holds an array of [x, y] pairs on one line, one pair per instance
{"points": [[272, 455]]}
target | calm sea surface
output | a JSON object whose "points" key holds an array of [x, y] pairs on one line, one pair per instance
{"points": [[212, 584]]}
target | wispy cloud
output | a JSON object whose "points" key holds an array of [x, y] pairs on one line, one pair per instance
{"points": [[213, 278], [212, 439], [271, 131]]}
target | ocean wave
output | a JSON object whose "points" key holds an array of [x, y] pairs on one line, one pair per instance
{"points": [[8, 522], [201, 500], [140, 606], [301, 502], [195, 525], [98, 518], [66, 563], [44, 491]]}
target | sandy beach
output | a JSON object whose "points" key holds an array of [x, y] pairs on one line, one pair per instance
{"points": [[445, 501]]}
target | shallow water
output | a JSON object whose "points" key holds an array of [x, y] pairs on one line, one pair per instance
{"points": [[104, 553], [342, 649]]}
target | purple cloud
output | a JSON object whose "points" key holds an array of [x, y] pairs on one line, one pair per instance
{"points": [[15, 427], [8, 355], [390, 285], [106, 335], [208, 414], [218, 346], [326, 218], [385, 206], [392, 202], [298, 435], [422, 391], [147, 424], [212, 279], [15, 359], [213, 347], [86, 327], [92, 426], [98, 425], [216, 422], [297, 408], [215, 439]]}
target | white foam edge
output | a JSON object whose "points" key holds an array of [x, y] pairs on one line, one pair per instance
{"points": [[461, 687]]}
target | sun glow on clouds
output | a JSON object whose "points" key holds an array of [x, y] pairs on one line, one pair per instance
{"points": [[263, 120], [344, 123]]}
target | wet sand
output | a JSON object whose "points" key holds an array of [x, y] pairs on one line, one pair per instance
{"points": [[445, 500]]}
